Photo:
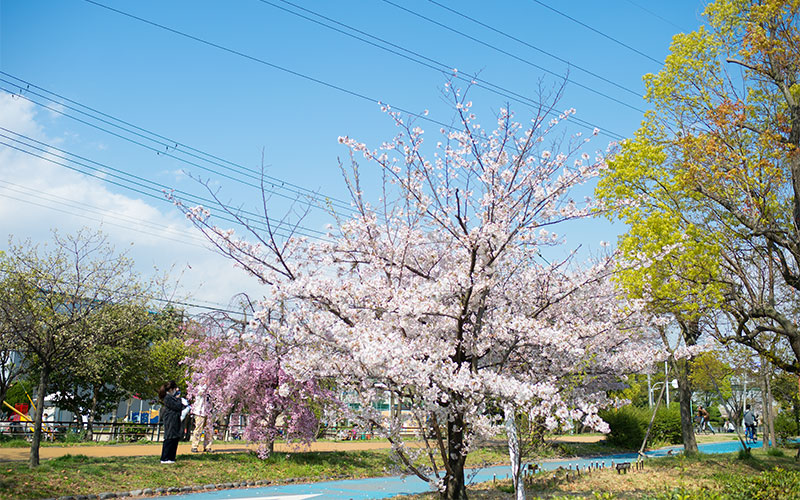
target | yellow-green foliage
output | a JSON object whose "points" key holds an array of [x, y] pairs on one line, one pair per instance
{"points": [[707, 170]]}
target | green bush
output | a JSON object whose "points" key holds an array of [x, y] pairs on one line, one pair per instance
{"points": [[133, 432], [667, 425], [785, 427], [773, 484], [629, 424], [686, 494]]}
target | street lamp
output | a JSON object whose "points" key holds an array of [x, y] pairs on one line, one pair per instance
{"points": [[655, 386]]}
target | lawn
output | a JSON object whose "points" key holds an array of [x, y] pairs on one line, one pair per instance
{"points": [[703, 477], [79, 474]]}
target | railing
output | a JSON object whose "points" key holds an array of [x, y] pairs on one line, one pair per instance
{"points": [[348, 433], [70, 431]]}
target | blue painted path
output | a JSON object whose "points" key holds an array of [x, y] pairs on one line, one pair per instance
{"points": [[385, 487]]}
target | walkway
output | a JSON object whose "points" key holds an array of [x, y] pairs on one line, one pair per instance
{"points": [[386, 487]]}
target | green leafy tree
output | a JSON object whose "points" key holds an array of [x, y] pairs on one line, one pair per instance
{"points": [[54, 300], [716, 163], [107, 373], [712, 180]]}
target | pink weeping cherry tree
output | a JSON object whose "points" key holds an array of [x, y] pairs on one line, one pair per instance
{"points": [[436, 295], [238, 369]]}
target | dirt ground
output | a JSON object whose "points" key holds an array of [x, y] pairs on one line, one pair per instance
{"points": [[133, 450]]}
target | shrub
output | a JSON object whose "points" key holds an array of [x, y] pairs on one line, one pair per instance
{"points": [[627, 426], [686, 494], [133, 432], [667, 425], [785, 427], [773, 484]]}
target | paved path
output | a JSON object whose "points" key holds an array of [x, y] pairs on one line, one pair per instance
{"points": [[386, 487]]}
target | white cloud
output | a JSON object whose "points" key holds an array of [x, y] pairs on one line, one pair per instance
{"points": [[37, 195]]}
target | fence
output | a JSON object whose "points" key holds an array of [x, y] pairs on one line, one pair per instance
{"points": [[349, 433], [101, 431]]}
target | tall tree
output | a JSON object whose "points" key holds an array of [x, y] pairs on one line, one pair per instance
{"points": [[55, 299], [713, 176], [433, 296], [106, 373], [12, 366]]}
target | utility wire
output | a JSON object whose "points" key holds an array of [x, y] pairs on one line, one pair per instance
{"points": [[218, 307], [172, 148], [266, 63], [99, 211], [609, 37], [143, 186], [303, 76], [122, 175], [509, 54], [654, 14], [443, 67], [540, 50], [101, 216]]}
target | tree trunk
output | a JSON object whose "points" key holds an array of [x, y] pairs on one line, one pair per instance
{"points": [[455, 486], [90, 419], [767, 438], [37, 426], [273, 417], [769, 410], [685, 395], [514, 452]]}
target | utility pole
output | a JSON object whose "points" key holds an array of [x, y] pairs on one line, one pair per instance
{"points": [[666, 381]]}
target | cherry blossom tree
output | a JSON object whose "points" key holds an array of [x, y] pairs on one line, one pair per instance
{"points": [[237, 367], [438, 295]]}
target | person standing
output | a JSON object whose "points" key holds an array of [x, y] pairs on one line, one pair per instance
{"points": [[200, 412], [171, 416], [750, 423]]}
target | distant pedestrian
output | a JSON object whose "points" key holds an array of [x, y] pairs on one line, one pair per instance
{"points": [[200, 410], [705, 419], [750, 423], [171, 416]]}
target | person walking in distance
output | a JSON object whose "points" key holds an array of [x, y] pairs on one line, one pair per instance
{"points": [[705, 419], [750, 424], [200, 412], [171, 416]]}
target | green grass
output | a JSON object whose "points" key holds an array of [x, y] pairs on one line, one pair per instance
{"points": [[81, 475], [762, 475]]}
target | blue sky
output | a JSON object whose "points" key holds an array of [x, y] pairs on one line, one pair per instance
{"points": [[237, 108]]}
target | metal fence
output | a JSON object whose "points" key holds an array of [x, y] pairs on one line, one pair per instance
{"points": [[101, 431]]}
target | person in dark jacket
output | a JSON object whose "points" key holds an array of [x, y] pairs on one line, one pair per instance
{"points": [[171, 416]]}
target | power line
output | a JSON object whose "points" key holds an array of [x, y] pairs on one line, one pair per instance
{"points": [[218, 307], [301, 75], [170, 149], [265, 62], [144, 186], [609, 37], [656, 15], [442, 67], [531, 46], [100, 212], [509, 54]]}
